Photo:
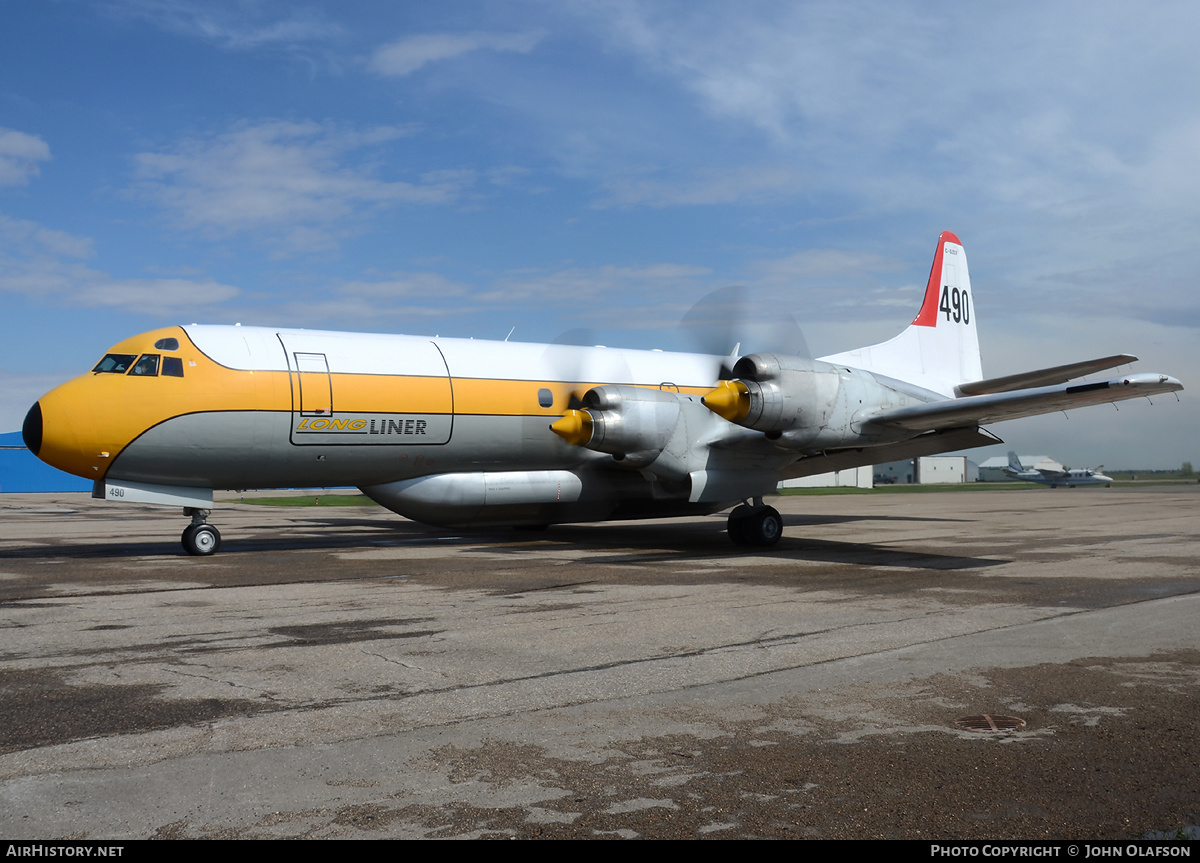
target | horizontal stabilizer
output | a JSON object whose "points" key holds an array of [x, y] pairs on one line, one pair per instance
{"points": [[974, 410], [1043, 377]]}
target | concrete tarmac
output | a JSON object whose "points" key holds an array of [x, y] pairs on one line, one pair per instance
{"points": [[342, 672]]}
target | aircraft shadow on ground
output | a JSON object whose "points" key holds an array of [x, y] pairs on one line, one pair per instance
{"points": [[704, 539], [808, 519]]}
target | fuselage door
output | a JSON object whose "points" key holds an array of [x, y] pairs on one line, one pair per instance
{"points": [[367, 389], [312, 390]]}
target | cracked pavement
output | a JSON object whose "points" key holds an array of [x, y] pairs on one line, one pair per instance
{"points": [[338, 672]]}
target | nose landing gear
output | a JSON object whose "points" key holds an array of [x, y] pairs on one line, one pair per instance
{"points": [[755, 525], [199, 537]]}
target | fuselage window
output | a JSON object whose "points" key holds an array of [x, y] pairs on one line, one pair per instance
{"points": [[167, 345], [545, 397], [115, 364], [172, 367], [147, 366]]}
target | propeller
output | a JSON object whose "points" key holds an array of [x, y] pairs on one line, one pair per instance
{"points": [[565, 363], [568, 359], [731, 322]]}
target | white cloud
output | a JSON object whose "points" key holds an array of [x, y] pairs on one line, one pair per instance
{"points": [[407, 55], [433, 287], [157, 297], [784, 68], [1169, 177], [43, 263], [19, 155], [883, 97], [410, 302], [361, 314], [30, 238], [298, 183], [708, 186], [237, 27], [1071, 163], [73, 284], [853, 268], [617, 288]]}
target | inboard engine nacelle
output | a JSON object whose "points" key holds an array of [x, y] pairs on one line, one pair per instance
{"points": [[663, 431]]}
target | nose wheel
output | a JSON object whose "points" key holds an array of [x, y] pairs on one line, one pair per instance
{"points": [[760, 526], [199, 537]]}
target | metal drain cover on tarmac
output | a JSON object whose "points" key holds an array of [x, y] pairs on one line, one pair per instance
{"points": [[985, 723]]}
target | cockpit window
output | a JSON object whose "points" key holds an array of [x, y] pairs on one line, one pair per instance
{"points": [[115, 364], [172, 367], [167, 345], [147, 365]]}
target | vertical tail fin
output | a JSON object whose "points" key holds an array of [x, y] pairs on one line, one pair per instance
{"points": [[940, 348]]}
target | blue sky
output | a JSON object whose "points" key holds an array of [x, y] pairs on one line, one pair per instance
{"points": [[465, 168]]}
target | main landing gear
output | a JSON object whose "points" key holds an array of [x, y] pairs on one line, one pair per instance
{"points": [[199, 537], [755, 524]]}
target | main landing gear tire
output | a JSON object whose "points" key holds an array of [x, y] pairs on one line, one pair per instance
{"points": [[760, 527], [737, 519], [201, 539]]}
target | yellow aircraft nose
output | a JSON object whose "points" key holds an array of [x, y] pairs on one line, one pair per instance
{"points": [[53, 433]]}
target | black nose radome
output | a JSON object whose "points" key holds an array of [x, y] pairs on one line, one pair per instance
{"points": [[31, 430]]}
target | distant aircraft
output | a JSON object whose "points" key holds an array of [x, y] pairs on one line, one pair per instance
{"points": [[1055, 478], [459, 432]]}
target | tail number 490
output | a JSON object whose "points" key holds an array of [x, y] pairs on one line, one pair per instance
{"points": [[956, 304]]}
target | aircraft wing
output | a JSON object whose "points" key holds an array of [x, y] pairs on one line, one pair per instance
{"points": [[1043, 377], [994, 407], [930, 443]]}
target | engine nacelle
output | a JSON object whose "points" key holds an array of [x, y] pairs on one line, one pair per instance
{"points": [[631, 421], [777, 394], [802, 403], [628, 422], [662, 432]]}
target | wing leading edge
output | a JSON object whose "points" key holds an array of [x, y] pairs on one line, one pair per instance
{"points": [[1043, 377]]}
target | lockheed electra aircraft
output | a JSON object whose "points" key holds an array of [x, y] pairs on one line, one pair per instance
{"points": [[457, 432]]}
